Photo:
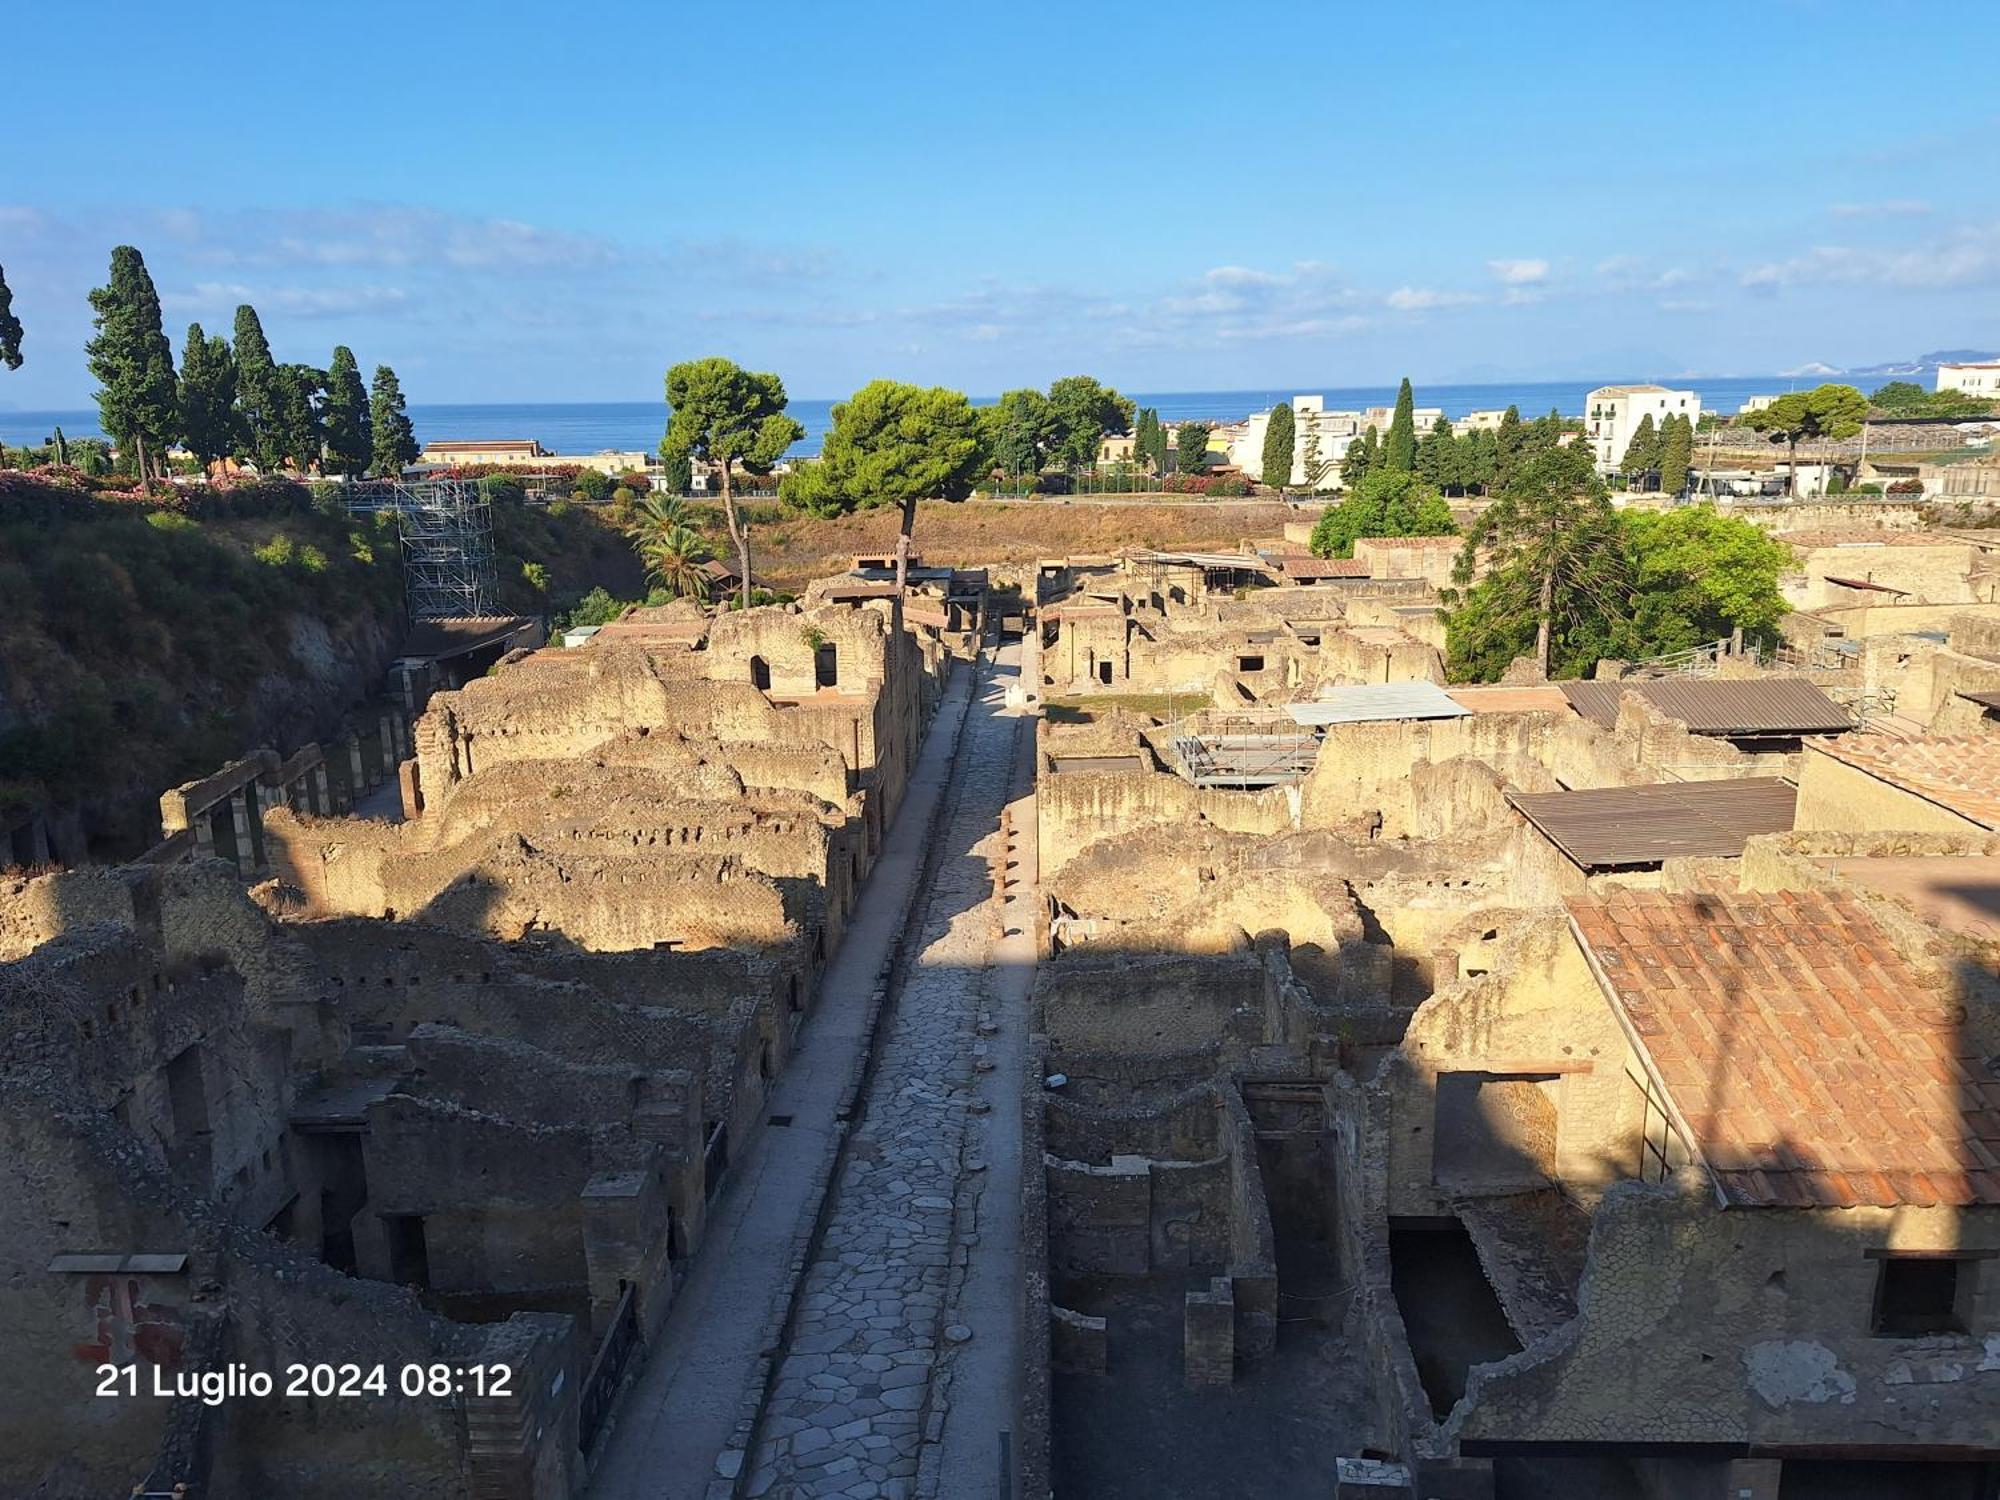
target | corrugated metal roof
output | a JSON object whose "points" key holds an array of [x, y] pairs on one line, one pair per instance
{"points": [[1712, 705], [1618, 827], [1373, 701], [1984, 700]]}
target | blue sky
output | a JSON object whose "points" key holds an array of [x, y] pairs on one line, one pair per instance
{"points": [[510, 202]]}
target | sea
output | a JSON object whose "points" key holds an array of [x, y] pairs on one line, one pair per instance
{"points": [[635, 426]]}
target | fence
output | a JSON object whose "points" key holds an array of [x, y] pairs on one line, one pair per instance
{"points": [[607, 1368]]}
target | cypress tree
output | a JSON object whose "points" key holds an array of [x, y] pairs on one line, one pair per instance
{"points": [[208, 396], [257, 394], [300, 436], [1399, 448], [395, 439], [1191, 447], [1280, 437], [137, 400], [1437, 458], [350, 444], [1509, 441], [10, 327], [1642, 453], [1676, 452]]}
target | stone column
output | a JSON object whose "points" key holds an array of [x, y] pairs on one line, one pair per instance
{"points": [[320, 790], [358, 782], [389, 755], [239, 813]]}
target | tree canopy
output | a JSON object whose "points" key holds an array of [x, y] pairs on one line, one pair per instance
{"points": [[1019, 431], [670, 547], [893, 444], [208, 396], [1542, 572], [1905, 398], [299, 435], [138, 398], [726, 415], [1080, 411], [1826, 412], [257, 393], [1280, 439], [350, 439], [1642, 451], [393, 439], [1697, 576], [1386, 502], [1676, 452], [1399, 446], [10, 327], [1191, 447], [1362, 457]]}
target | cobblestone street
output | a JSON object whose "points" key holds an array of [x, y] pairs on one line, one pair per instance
{"points": [[858, 1392]]}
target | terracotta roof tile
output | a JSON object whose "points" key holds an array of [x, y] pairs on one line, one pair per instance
{"points": [[1811, 1064], [1960, 774]]}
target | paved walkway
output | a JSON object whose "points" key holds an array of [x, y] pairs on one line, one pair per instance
{"points": [[903, 1333], [684, 1409]]}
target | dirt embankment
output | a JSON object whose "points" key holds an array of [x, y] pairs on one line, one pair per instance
{"points": [[791, 549]]}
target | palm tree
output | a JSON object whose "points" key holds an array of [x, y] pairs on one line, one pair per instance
{"points": [[671, 549]]}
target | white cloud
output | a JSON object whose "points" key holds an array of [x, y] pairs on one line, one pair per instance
{"points": [[213, 297], [1426, 299], [1887, 208], [1520, 272], [1967, 257]]}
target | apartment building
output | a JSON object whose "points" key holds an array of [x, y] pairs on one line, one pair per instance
{"points": [[1612, 413]]}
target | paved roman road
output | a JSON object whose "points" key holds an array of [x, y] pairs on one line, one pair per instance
{"points": [[895, 1373]]}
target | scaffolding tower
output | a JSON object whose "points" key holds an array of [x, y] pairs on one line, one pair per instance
{"points": [[446, 527]]}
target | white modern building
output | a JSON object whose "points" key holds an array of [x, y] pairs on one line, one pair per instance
{"points": [[1612, 413], [1975, 380], [1336, 429], [1478, 421]]}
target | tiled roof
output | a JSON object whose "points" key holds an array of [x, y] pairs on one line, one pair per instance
{"points": [[1810, 1065], [1409, 541], [1324, 567], [1960, 774]]}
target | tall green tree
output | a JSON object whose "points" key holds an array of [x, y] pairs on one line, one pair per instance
{"points": [[1363, 458], [1020, 430], [677, 473], [10, 327], [1191, 447], [1157, 451], [350, 436], [1281, 437], [726, 415], [138, 398], [1399, 446], [1437, 456], [1697, 576], [208, 396], [1642, 453], [257, 393], [1826, 412], [1080, 411], [893, 444], [1509, 439], [300, 433], [394, 439], [1676, 453], [1543, 572], [1388, 502], [1142, 436]]}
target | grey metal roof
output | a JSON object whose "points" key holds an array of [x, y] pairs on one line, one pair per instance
{"points": [[1369, 702], [1618, 827], [1714, 705], [1984, 700]]}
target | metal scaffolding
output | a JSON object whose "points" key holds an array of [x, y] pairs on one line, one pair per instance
{"points": [[446, 528]]}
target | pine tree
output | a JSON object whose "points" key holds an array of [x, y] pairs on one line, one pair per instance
{"points": [[1312, 463], [1642, 453], [1361, 460], [137, 400], [208, 396], [1280, 439], [1437, 456], [10, 327], [350, 444], [1676, 452], [257, 427], [1399, 448], [395, 439]]}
